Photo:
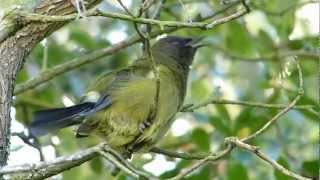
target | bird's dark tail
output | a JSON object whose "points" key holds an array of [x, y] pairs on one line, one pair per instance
{"points": [[46, 121]]}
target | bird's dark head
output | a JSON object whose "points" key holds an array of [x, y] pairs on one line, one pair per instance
{"points": [[178, 49]]}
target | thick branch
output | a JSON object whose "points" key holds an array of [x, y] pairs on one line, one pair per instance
{"points": [[47, 169], [31, 17], [15, 44], [43, 170]]}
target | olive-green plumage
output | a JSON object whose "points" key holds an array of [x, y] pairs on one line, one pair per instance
{"points": [[121, 106]]}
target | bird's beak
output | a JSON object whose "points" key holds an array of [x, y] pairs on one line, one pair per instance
{"points": [[196, 42]]}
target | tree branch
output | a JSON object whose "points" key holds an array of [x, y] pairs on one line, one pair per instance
{"points": [[16, 42], [180, 155], [43, 170], [191, 107], [282, 112], [47, 169], [94, 56], [202, 162], [32, 17], [255, 150]]}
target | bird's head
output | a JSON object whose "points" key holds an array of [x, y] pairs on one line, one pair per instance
{"points": [[178, 49]]}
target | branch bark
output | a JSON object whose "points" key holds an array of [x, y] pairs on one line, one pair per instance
{"points": [[14, 47], [43, 170]]}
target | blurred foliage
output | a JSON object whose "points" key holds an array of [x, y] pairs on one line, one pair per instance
{"points": [[227, 69]]}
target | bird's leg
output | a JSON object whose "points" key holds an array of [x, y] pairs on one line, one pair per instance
{"points": [[147, 123], [144, 125], [119, 161], [30, 140]]}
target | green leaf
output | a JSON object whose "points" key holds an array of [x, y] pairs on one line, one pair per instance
{"points": [[311, 168], [203, 174], [74, 173], [236, 171], [221, 125], [181, 164], [284, 24], [310, 42], [223, 112], [201, 138], [264, 43], [199, 91], [238, 39], [312, 114], [22, 76], [96, 165], [250, 120], [82, 38]]}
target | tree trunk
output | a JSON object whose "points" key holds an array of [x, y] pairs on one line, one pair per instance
{"points": [[14, 49]]}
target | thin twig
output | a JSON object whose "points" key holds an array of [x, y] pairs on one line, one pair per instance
{"points": [[156, 14], [282, 112], [180, 155], [125, 8], [34, 142], [191, 107], [202, 162], [121, 163], [255, 150]]}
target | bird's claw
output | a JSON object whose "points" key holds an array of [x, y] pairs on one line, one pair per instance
{"points": [[143, 126]]}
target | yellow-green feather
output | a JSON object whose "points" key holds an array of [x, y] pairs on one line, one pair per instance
{"points": [[132, 92]]}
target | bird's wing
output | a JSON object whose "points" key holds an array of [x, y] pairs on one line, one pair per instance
{"points": [[103, 83], [121, 90]]}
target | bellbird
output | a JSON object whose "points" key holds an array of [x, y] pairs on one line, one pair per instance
{"points": [[121, 108]]}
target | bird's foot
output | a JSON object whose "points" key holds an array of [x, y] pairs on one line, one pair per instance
{"points": [[144, 125]]}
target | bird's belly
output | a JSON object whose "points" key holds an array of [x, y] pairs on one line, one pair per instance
{"points": [[122, 129], [118, 129]]}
